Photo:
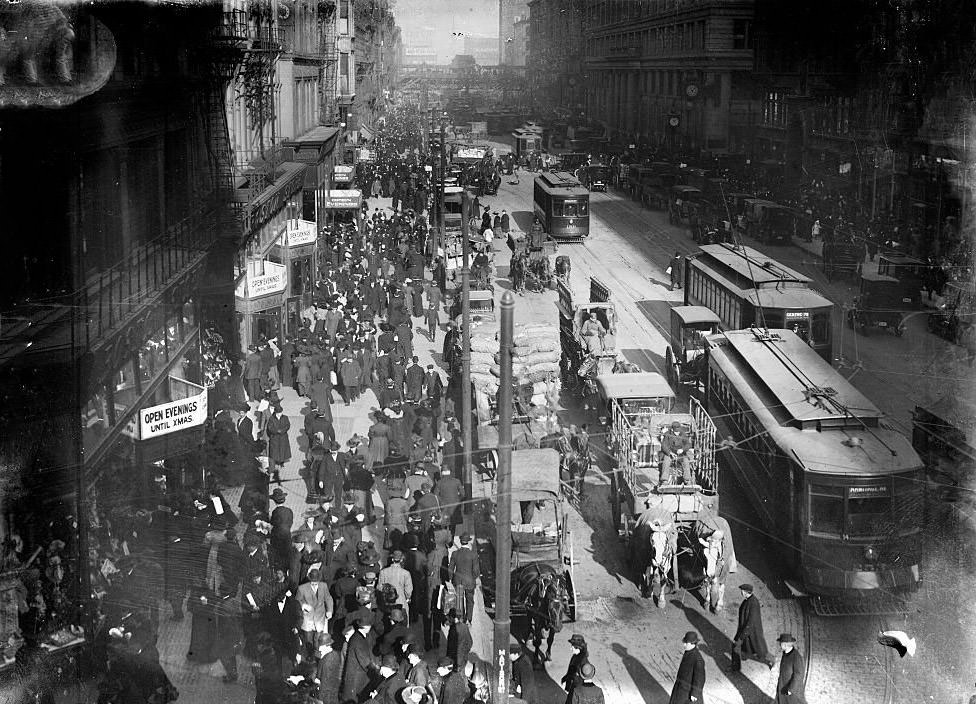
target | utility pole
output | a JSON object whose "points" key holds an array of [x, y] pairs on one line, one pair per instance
{"points": [[465, 351], [503, 511], [441, 235]]}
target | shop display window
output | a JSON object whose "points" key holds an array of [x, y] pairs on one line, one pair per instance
{"points": [[153, 355], [125, 390], [96, 418]]}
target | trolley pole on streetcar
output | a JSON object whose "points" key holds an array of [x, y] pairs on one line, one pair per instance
{"points": [[466, 356], [503, 493]]}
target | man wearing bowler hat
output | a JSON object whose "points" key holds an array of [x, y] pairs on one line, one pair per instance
{"points": [[790, 684], [690, 680], [749, 640]]}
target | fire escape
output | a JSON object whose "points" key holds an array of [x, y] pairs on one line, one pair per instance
{"points": [[225, 56], [328, 96], [257, 88]]}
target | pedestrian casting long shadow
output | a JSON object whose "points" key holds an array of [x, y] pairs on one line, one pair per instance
{"points": [[719, 646], [650, 689]]}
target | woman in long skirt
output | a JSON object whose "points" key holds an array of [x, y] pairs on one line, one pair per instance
{"points": [[379, 442]]}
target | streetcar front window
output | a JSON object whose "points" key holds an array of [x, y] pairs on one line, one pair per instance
{"points": [[868, 516], [570, 209], [557, 209], [583, 208], [826, 511]]}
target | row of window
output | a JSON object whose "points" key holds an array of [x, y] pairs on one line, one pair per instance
{"points": [[118, 393], [683, 36], [711, 294], [748, 431]]}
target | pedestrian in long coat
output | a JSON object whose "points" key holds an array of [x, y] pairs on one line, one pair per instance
{"points": [[287, 361], [790, 686], [690, 680], [304, 374], [749, 640], [359, 661], [279, 446], [572, 678]]}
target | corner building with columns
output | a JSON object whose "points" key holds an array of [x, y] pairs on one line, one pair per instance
{"points": [[665, 72]]}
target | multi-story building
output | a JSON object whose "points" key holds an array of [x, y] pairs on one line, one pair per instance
{"points": [[554, 63], [510, 13], [115, 180], [483, 49], [517, 50], [287, 109], [378, 54], [670, 71]]}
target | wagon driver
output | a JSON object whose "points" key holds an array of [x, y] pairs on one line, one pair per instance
{"points": [[594, 332]]}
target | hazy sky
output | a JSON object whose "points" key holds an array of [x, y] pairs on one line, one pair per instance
{"points": [[436, 21]]}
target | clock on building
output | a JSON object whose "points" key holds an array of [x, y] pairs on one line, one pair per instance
{"points": [[674, 121], [691, 90]]}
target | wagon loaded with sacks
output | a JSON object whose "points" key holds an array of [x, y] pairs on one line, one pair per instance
{"points": [[535, 371]]}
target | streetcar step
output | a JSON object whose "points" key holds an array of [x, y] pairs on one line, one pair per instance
{"points": [[880, 605]]}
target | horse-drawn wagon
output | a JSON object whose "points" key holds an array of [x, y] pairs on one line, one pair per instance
{"points": [[543, 589], [685, 356], [664, 490], [587, 334]]}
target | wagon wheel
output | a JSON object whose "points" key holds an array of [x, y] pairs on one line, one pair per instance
{"points": [[674, 371], [570, 597]]}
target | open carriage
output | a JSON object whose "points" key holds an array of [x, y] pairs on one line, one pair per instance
{"points": [[588, 334]]}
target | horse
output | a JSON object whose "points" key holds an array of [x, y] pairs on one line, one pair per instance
{"points": [[656, 563], [622, 366], [716, 571], [542, 591], [657, 544]]}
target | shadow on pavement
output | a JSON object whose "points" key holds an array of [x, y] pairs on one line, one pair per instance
{"points": [[524, 219], [650, 689]]}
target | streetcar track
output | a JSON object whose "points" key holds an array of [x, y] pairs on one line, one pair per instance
{"points": [[823, 669]]}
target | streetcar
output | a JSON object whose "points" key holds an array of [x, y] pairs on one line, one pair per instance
{"points": [[562, 205], [834, 485], [744, 287], [942, 433]]}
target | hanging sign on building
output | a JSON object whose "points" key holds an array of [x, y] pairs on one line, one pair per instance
{"points": [[272, 281], [166, 418], [338, 200], [301, 232], [343, 173]]}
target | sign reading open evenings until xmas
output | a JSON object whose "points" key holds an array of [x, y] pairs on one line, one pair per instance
{"points": [[301, 232], [186, 412]]}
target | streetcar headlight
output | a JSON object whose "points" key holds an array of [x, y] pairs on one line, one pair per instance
{"points": [[870, 554]]}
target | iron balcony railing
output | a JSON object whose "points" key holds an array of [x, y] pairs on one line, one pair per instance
{"points": [[114, 295]]}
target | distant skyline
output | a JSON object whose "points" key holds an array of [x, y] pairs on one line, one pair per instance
{"points": [[443, 24]]}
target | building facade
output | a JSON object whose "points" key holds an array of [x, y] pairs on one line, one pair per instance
{"points": [[121, 160], [555, 53], [668, 72], [483, 49], [517, 50], [378, 47], [510, 13]]}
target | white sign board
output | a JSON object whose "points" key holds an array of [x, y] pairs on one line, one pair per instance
{"points": [[301, 232], [176, 415], [272, 281]]}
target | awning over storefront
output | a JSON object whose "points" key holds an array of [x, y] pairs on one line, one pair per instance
{"points": [[289, 179], [366, 133], [315, 145]]}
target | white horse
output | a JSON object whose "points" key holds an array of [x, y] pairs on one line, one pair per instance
{"points": [[716, 571]]}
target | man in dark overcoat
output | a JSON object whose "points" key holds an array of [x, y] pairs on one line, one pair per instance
{"points": [[690, 680], [790, 685], [749, 640]]}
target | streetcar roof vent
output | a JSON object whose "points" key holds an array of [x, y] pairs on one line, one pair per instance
{"points": [[854, 442]]}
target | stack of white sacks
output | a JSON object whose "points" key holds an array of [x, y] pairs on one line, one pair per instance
{"points": [[535, 360]]}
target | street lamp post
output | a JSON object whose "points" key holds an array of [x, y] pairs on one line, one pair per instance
{"points": [[503, 511], [466, 350], [440, 212]]}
